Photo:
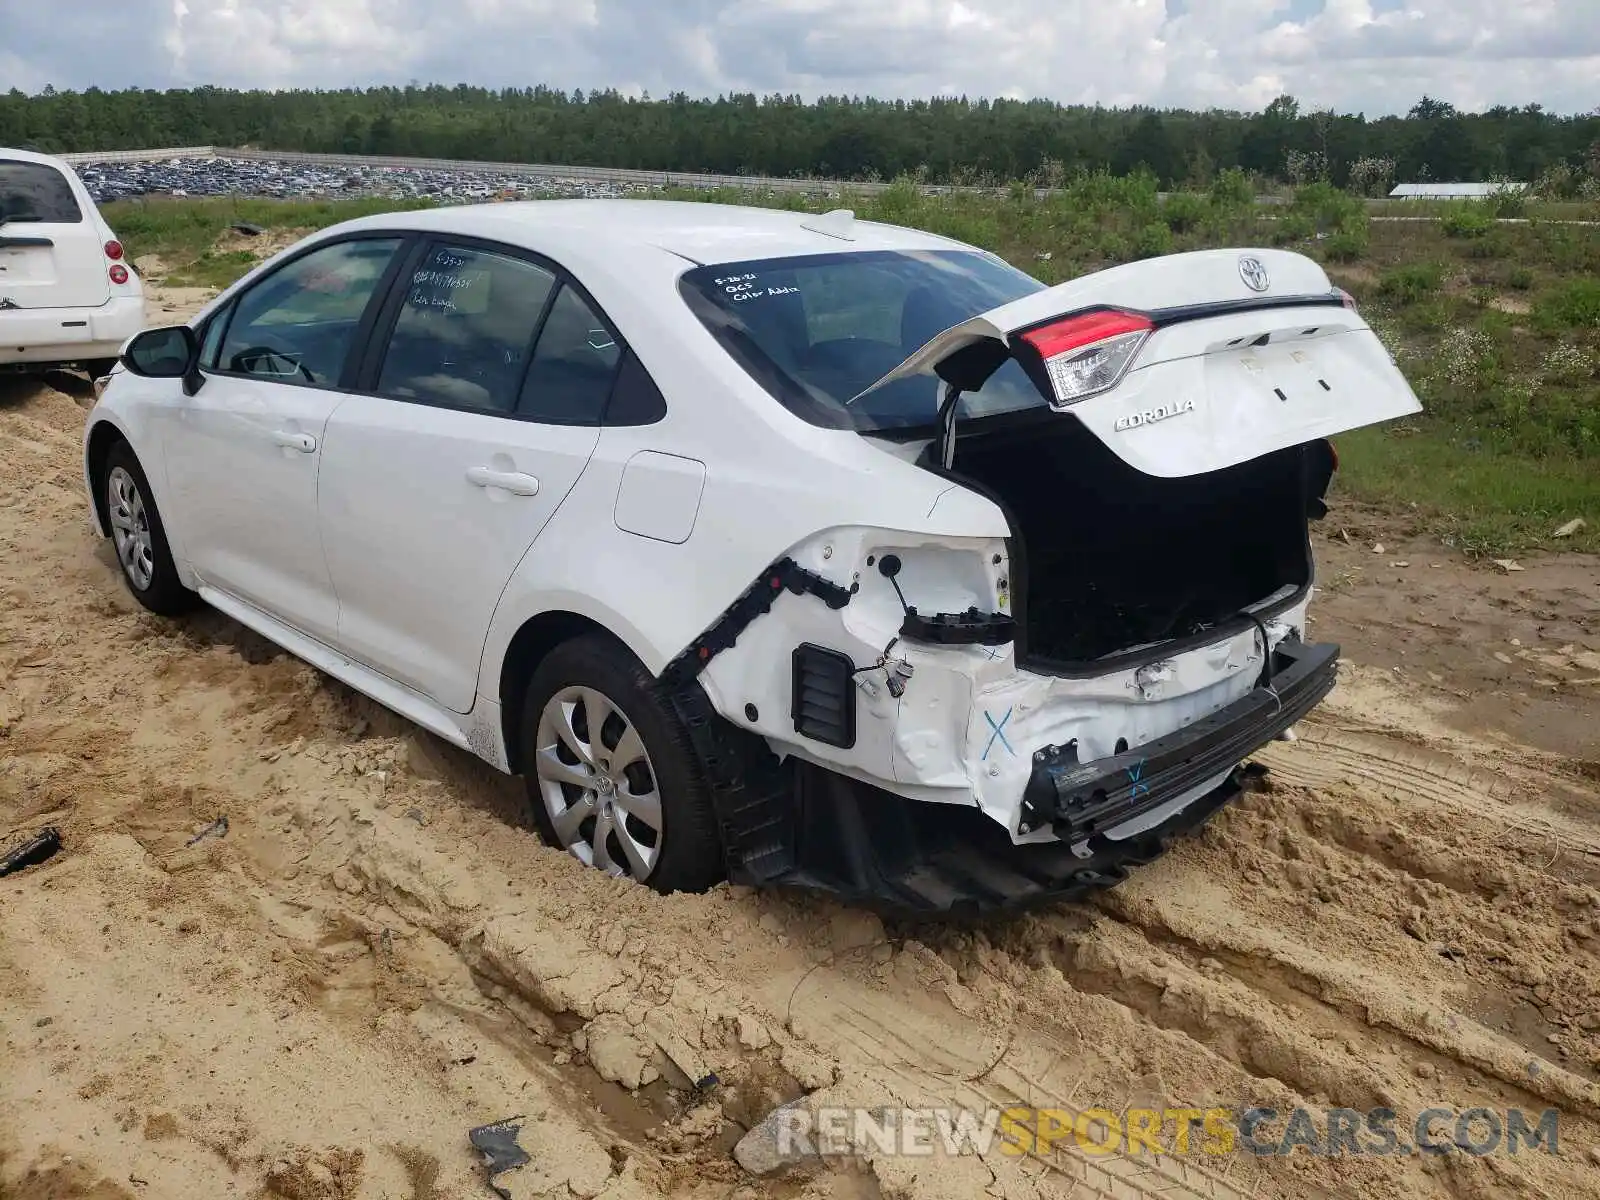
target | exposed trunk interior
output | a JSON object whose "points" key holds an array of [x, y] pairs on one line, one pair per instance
{"points": [[1113, 560]]}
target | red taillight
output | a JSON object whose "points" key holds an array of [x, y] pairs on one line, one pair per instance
{"points": [[119, 274], [1088, 354], [1074, 332], [113, 250]]}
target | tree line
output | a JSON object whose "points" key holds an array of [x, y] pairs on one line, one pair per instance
{"points": [[944, 140]]}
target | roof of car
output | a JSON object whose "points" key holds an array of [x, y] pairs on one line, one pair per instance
{"points": [[698, 231]]}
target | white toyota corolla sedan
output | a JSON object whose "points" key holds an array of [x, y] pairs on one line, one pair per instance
{"points": [[801, 550]]}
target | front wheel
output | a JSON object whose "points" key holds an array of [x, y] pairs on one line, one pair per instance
{"points": [[610, 774], [140, 538]]}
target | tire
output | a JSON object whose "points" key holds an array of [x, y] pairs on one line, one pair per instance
{"points": [[139, 537], [572, 806]]}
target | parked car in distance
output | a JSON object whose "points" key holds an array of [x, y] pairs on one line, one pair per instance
{"points": [[799, 549], [68, 296]]}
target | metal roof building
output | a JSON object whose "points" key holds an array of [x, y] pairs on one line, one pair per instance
{"points": [[1453, 191]]}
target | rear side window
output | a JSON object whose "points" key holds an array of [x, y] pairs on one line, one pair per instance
{"points": [[298, 324], [36, 192], [573, 365], [464, 333]]}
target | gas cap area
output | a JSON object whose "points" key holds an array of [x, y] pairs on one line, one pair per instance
{"points": [[659, 496]]}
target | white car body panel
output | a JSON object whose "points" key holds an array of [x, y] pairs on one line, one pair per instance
{"points": [[57, 301], [401, 475], [375, 555], [242, 458]]}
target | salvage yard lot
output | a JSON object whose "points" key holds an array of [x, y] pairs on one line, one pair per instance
{"points": [[375, 957]]}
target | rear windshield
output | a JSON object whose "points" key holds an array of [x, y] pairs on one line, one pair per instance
{"points": [[818, 330], [36, 192]]}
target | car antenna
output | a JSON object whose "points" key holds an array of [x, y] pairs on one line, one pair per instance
{"points": [[839, 223]]}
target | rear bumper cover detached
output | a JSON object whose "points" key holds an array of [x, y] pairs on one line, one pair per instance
{"points": [[799, 825]]}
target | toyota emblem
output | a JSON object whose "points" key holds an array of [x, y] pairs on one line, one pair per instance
{"points": [[1253, 274]]}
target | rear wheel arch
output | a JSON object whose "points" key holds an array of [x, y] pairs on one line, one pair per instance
{"points": [[533, 641]]}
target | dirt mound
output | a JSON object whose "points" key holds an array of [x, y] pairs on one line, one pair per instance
{"points": [[375, 958], [261, 246]]}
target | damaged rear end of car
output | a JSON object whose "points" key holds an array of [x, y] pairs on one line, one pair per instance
{"points": [[983, 723]]}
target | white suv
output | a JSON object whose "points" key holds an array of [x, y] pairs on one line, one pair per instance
{"points": [[826, 553], [66, 294]]}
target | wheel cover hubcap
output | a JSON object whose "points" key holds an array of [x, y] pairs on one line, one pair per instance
{"points": [[130, 528], [598, 783]]}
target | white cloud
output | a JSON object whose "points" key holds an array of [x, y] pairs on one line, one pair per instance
{"points": [[1352, 55]]}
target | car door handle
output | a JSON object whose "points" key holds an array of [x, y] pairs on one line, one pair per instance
{"points": [[302, 442], [515, 482]]}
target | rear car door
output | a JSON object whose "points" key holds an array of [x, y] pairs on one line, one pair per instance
{"points": [[243, 453], [51, 252], [480, 409]]}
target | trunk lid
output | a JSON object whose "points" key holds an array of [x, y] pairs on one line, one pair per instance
{"points": [[1248, 351], [52, 253]]}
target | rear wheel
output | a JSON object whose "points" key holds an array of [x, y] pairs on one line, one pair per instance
{"points": [[140, 538], [611, 777]]}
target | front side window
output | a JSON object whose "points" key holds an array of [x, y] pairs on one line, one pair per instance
{"points": [[299, 324], [463, 335], [574, 365], [211, 340], [36, 192], [818, 330]]}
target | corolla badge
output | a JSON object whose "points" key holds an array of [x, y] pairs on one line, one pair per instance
{"points": [[1254, 273], [1161, 412]]}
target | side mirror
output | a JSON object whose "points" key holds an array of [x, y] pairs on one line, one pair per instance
{"points": [[171, 352]]}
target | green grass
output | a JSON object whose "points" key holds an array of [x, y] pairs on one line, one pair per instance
{"points": [[214, 269], [1573, 305], [1478, 499], [184, 231], [1497, 326], [1469, 220], [1535, 209]]}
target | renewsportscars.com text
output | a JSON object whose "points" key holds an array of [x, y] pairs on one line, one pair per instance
{"points": [[1212, 1132]]}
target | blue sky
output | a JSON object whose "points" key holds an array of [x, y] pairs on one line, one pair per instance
{"points": [[1374, 56]]}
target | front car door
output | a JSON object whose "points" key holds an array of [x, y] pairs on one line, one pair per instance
{"points": [[243, 453], [481, 408]]}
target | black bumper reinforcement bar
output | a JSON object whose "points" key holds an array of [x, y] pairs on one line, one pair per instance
{"points": [[1080, 799]]}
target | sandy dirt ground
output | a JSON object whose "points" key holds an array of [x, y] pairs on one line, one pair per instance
{"points": [[376, 956]]}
